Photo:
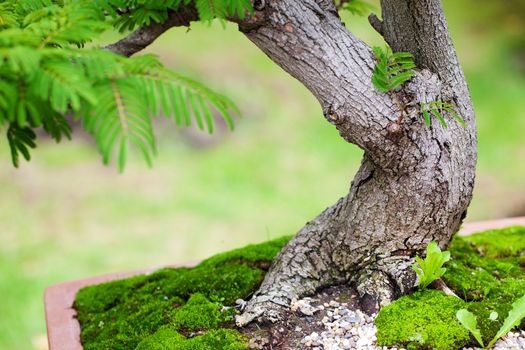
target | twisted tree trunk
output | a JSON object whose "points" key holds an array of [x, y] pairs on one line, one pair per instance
{"points": [[414, 184]]}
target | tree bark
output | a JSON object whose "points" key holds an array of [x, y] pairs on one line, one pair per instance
{"points": [[414, 184]]}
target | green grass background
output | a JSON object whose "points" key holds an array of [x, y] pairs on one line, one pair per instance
{"points": [[65, 216]]}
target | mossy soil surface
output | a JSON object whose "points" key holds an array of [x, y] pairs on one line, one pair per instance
{"points": [[193, 308], [487, 272], [183, 308]]}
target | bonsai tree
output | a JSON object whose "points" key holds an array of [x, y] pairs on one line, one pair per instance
{"points": [[407, 107]]}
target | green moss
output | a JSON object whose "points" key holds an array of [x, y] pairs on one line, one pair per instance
{"points": [[198, 313], [482, 310], [225, 339], [106, 295], [507, 242], [252, 254], [423, 320], [165, 338], [466, 273], [169, 339], [121, 314], [488, 265], [486, 270], [223, 283]]}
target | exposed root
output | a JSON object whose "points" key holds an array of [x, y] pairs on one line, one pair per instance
{"points": [[375, 290], [439, 284], [261, 309], [384, 282], [377, 285]]}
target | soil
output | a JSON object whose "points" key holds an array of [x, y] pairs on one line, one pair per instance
{"points": [[288, 333]]}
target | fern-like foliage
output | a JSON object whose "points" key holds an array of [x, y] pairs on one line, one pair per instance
{"points": [[437, 108], [355, 7], [48, 77], [20, 141], [391, 69], [129, 14]]}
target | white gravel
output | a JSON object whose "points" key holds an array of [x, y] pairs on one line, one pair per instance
{"points": [[349, 329]]}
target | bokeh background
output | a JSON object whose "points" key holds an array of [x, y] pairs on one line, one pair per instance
{"points": [[66, 216]]}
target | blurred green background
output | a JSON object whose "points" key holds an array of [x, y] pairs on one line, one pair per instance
{"points": [[65, 216]]}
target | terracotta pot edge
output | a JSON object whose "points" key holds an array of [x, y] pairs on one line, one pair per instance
{"points": [[63, 329]]}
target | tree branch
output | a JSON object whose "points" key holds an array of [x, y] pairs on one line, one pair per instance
{"points": [[145, 36], [309, 41], [376, 23], [420, 27]]}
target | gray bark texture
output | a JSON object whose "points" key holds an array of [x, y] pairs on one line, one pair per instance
{"points": [[414, 184]]}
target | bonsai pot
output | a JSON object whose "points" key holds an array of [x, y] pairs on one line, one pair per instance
{"points": [[63, 329]]}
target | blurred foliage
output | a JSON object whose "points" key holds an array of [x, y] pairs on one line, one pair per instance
{"points": [[65, 216], [47, 73]]}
